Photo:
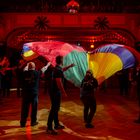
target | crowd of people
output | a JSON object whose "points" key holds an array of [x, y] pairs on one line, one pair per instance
{"points": [[28, 85]]}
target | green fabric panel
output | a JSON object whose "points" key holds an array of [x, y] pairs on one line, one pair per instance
{"points": [[76, 73]]}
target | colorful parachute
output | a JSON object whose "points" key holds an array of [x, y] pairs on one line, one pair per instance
{"points": [[103, 61], [72, 54], [108, 59]]}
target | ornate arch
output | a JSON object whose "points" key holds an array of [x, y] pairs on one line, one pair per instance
{"points": [[12, 37], [19, 36]]}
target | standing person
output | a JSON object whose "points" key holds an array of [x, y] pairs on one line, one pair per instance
{"points": [[88, 85], [137, 79], [30, 94], [4, 81], [48, 76], [19, 73], [123, 77], [56, 88]]}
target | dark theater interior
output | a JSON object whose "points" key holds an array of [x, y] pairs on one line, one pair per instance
{"points": [[70, 70]]}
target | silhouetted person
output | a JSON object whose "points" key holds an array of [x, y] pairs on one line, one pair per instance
{"points": [[5, 77], [7, 80], [19, 74], [30, 94], [88, 86], [123, 77], [56, 88], [48, 76], [137, 78]]}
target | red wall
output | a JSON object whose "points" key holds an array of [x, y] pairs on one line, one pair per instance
{"points": [[14, 20]]}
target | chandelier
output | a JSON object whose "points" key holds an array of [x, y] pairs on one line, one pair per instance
{"points": [[73, 6]]}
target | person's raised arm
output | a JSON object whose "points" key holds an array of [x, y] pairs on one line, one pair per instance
{"points": [[67, 67], [26, 68], [45, 67]]}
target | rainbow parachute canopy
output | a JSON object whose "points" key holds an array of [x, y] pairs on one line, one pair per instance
{"points": [[108, 59], [103, 61]]}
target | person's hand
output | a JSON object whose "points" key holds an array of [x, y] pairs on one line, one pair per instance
{"points": [[72, 65]]}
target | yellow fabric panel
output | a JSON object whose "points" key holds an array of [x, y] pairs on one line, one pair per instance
{"points": [[104, 65], [29, 55]]}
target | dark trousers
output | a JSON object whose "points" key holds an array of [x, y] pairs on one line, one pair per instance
{"points": [[55, 106], [124, 87], [89, 108], [19, 87], [26, 102], [5, 85]]}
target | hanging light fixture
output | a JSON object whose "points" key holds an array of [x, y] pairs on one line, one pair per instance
{"points": [[73, 6]]}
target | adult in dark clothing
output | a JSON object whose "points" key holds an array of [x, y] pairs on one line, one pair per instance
{"points": [[6, 82], [88, 85], [137, 79], [55, 91], [47, 76], [123, 77], [19, 74], [30, 94], [4, 76]]}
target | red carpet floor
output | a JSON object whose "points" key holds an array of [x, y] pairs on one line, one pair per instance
{"points": [[113, 120]]}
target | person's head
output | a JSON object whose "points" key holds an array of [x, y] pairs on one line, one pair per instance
{"points": [[59, 60], [89, 73], [31, 66]]}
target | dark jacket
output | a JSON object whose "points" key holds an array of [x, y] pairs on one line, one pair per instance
{"points": [[88, 86], [31, 81]]}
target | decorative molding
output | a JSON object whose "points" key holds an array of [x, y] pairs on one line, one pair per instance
{"points": [[101, 23], [41, 23]]}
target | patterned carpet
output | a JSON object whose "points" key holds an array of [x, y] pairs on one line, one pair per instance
{"points": [[113, 120]]}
